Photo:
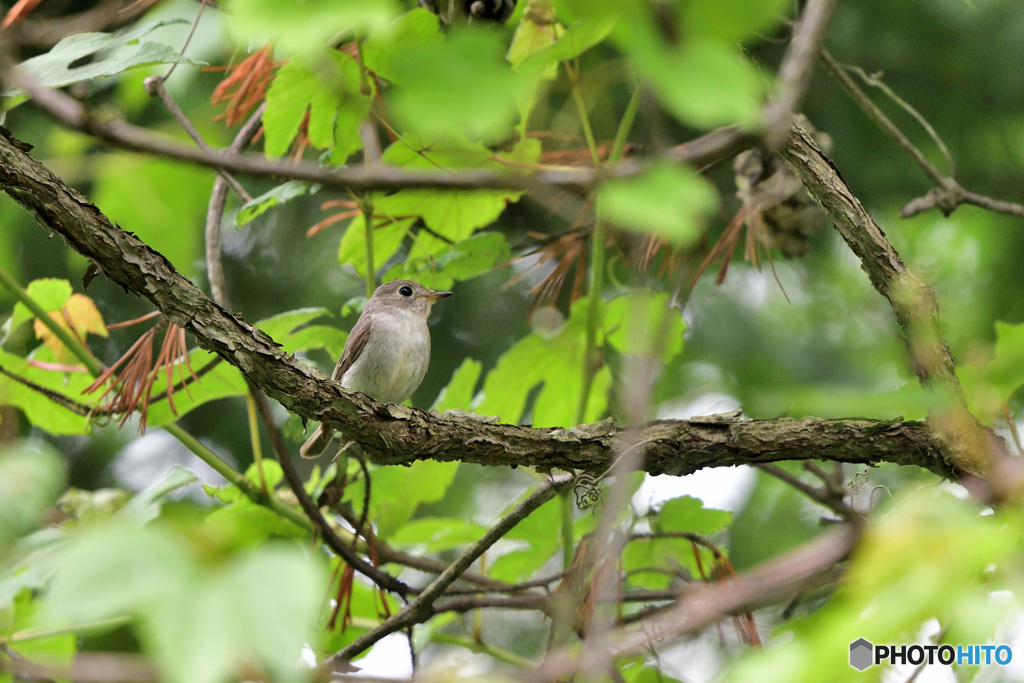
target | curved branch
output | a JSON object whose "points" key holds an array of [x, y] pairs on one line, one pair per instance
{"points": [[398, 435], [705, 151]]}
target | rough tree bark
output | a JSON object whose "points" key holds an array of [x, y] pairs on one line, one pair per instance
{"points": [[398, 435]]}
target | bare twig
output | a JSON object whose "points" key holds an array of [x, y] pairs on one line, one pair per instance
{"points": [[215, 214], [947, 194], [155, 87], [825, 496], [381, 578], [421, 609], [795, 70], [708, 150], [701, 605]]}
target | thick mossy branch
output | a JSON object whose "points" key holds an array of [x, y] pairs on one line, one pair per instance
{"points": [[399, 435]]}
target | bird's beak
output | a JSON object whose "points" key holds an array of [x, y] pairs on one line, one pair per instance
{"points": [[434, 296]]}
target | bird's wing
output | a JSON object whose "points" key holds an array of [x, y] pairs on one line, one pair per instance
{"points": [[353, 347]]}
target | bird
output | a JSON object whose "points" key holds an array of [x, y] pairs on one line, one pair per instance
{"points": [[387, 353]]}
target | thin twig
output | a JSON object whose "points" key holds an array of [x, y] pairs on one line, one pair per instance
{"points": [[795, 70], [708, 150], [154, 85], [381, 578], [421, 608], [215, 214], [701, 605], [947, 194]]}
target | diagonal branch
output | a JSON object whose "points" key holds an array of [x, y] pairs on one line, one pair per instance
{"points": [[422, 608], [963, 440], [701, 605], [948, 193]]}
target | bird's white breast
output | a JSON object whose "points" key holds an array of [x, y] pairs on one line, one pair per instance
{"points": [[395, 358]]}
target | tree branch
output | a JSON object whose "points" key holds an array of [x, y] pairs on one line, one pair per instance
{"points": [[397, 434], [703, 604], [421, 609], [708, 150], [795, 71], [969, 447]]}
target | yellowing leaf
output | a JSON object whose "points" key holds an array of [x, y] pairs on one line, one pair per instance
{"points": [[79, 315]]}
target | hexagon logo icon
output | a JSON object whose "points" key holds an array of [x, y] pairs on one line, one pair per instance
{"points": [[861, 654]]}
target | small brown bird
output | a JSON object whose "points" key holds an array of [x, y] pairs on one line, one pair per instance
{"points": [[387, 352]]}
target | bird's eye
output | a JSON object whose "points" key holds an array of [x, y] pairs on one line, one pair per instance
{"points": [[406, 290]]}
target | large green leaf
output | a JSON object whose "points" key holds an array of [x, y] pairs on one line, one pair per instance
{"points": [[222, 381], [332, 97], [84, 56], [667, 201], [555, 362], [459, 393], [308, 25], [199, 616], [31, 479], [539, 533], [461, 85], [396, 492], [388, 234]]}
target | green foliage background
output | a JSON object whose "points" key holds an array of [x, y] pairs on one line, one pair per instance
{"points": [[206, 582]]}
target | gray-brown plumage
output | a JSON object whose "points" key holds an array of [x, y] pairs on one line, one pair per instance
{"points": [[387, 352]]}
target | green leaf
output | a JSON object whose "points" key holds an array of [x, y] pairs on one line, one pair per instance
{"points": [[331, 94], [59, 67], [418, 26], [31, 479], [146, 505], [281, 194], [200, 617], [220, 382], [387, 238], [398, 491], [435, 534], [50, 293], [291, 331], [733, 20], [437, 264], [540, 531], [573, 41], [40, 410], [556, 362], [688, 514], [462, 84], [56, 650], [988, 386], [641, 323], [310, 24], [272, 473], [666, 201], [459, 393], [132, 192]]}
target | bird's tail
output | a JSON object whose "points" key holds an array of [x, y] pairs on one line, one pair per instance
{"points": [[317, 443]]}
